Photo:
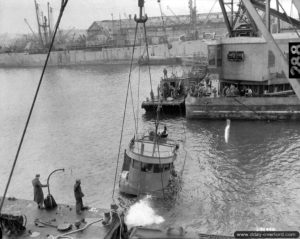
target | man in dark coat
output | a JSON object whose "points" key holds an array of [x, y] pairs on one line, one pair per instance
{"points": [[78, 196], [38, 191]]}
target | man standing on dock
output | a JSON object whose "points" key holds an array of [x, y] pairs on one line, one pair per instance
{"points": [[78, 196], [38, 191]]}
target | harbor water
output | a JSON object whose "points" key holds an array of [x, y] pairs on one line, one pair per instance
{"points": [[250, 182]]}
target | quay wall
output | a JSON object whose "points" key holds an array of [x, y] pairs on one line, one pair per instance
{"points": [[102, 56], [250, 108]]}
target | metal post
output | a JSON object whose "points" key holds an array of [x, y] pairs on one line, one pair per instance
{"points": [[229, 27], [268, 14]]}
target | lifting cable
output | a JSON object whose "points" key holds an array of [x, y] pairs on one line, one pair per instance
{"points": [[147, 50], [156, 143], [133, 110], [184, 133], [62, 8], [138, 96], [249, 108], [124, 113]]}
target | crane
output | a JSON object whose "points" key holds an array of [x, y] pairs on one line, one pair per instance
{"points": [[37, 11], [207, 18], [178, 19], [34, 35]]}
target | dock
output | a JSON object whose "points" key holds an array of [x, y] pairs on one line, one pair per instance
{"points": [[42, 223], [174, 106]]}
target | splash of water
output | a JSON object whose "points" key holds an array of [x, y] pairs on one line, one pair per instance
{"points": [[227, 128], [141, 214]]}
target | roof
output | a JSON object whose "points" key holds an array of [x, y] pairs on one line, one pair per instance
{"points": [[154, 21]]}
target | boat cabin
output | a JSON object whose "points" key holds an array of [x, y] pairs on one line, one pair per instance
{"points": [[247, 63], [148, 165]]}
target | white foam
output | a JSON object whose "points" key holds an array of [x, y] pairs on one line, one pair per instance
{"points": [[141, 214], [227, 129]]}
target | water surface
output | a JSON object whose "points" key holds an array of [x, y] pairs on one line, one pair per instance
{"points": [[253, 181]]}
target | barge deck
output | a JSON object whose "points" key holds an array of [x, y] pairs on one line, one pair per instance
{"points": [[42, 223]]}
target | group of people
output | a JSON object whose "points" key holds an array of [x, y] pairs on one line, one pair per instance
{"points": [[202, 90], [170, 89], [233, 90], [39, 195]]}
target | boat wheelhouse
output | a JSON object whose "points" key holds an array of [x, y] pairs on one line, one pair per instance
{"points": [[172, 89], [148, 165]]}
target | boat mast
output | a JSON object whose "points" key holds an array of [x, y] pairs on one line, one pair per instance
{"points": [[38, 22]]}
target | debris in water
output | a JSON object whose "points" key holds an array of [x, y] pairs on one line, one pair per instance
{"points": [[227, 128], [141, 214]]}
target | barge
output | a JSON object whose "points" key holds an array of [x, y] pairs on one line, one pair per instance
{"points": [[56, 223], [243, 108]]}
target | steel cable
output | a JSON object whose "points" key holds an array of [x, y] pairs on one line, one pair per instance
{"points": [[124, 114]]}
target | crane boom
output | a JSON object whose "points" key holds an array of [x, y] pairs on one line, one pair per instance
{"points": [[295, 83], [178, 19], [34, 35]]}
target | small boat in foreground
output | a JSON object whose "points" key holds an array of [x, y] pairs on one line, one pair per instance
{"points": [[148, 165]]}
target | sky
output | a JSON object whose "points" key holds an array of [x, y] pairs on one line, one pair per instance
{"points": [[81, 13]]}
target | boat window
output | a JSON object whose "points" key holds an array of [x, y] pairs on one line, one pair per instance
{"points": [[136, 164], [166, 167], [158, 168], [147, 167]]}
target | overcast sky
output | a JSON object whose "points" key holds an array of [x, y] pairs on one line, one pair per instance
{"points": [[81, 13]]}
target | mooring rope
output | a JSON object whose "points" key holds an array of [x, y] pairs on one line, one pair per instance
{"points": [[249, 108], [124, 113], [62, 8]]}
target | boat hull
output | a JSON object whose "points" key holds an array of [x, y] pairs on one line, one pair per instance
{"points": [[243, 108], [175, 106], [143, 183]]}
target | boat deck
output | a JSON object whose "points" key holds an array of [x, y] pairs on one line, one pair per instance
{"points": [[62, 214]]}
